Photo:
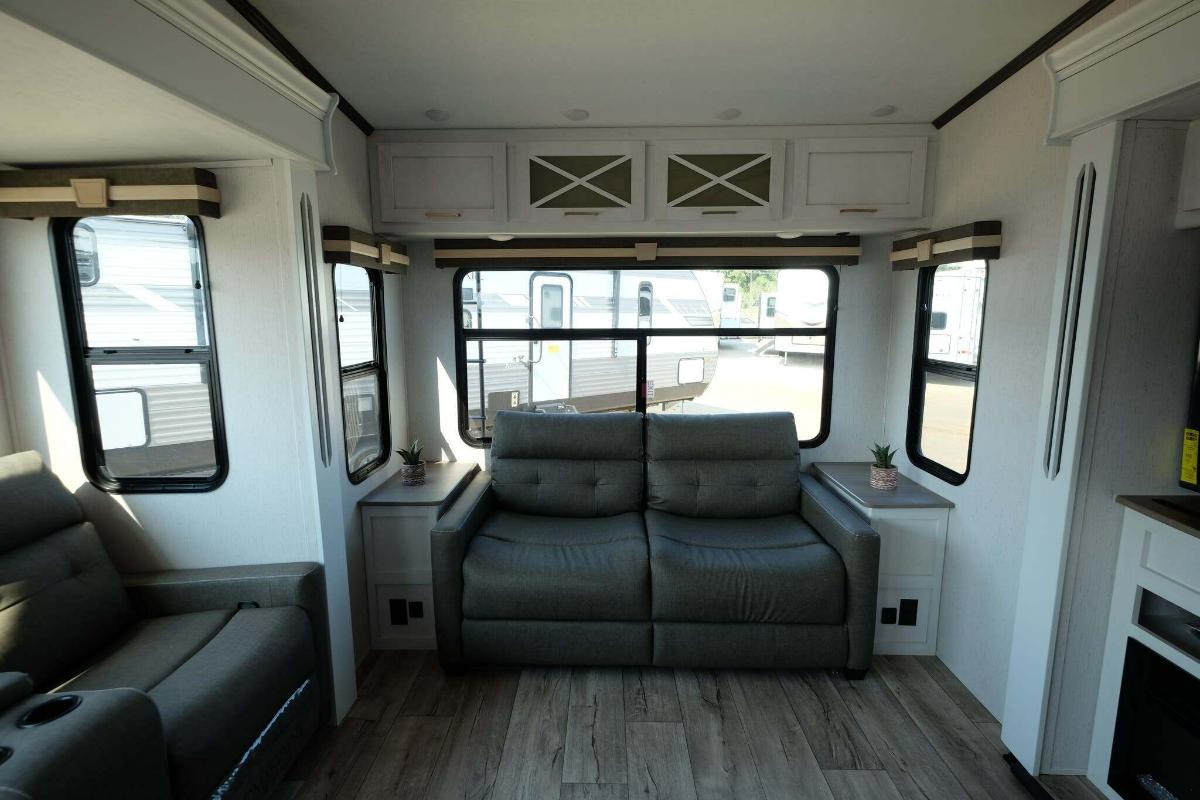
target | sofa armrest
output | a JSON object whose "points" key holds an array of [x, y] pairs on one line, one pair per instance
{"points": [[448, 546], [858, 545], [107, 744]]}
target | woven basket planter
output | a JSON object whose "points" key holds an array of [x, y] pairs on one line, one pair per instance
{"points": [[884, 478], [412, 474]]}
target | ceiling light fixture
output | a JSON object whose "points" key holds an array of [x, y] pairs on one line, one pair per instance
{"points": [[884, 111], [577, 114], [500, 237], [728, 114], [789, 234], [437, 115]]}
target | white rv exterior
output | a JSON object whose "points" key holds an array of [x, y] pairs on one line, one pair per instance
{"points": [[801, 301]]}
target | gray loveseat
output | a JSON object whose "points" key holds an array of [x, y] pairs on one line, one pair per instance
{"points": [[703, 547], [179, 684]]}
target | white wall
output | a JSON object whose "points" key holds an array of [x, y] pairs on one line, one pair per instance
{"points": [[992, 163], [345, 199]]}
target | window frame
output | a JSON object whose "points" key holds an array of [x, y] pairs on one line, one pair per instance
{"points": [[640, 335], [377, 366], [81, 358], [922, 364]]}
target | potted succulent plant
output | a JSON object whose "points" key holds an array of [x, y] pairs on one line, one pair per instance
{"points": [[883, 471], [412, 470]]}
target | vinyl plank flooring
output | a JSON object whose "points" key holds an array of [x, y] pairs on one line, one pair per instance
{"points": [[594, 791], [387, 685], [470, 758], [951, 685], [595, 744], [650, 695], [531, 765], [785, 761], [1070, 787], [835, 738], [434, 693], [861, 785], [659, 768], [915, 768], [968, 753], [722, 766], [991, 732], [333, 759], [406, 758]]}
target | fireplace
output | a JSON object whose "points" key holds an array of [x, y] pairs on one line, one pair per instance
{"points": [[1156, 741]]}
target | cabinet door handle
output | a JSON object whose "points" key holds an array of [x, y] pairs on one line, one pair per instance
{"points": [[443, 214], [313, 280], [858, 210], [581, 213], [716, 211]]}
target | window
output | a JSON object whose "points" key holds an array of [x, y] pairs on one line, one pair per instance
{"points": [[143, 365], [358, 300], [949, 332], [638, 339]]}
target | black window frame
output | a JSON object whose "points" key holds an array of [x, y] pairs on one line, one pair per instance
{"points": [[81, 357], [923, 364], [638, 335], [377, 366]]}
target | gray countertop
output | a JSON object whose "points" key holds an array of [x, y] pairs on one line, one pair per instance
{"points": [[1180, 511], [442, 479], [854, 478]]}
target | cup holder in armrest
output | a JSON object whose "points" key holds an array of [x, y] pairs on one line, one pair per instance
{"points": [[49, 710], [5, 754]]}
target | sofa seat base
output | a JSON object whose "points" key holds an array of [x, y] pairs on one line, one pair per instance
{"points": [[771, 570], [556, 642], [743, 645]]}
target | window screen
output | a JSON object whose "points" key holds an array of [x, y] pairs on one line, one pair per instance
{"points": [[358, 300], [144, 370]]}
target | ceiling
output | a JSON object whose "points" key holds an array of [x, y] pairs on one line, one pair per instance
{"points": [[522, 63]]}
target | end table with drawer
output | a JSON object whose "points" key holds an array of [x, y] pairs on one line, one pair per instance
{"points": [[396, 520], [912, 523]]}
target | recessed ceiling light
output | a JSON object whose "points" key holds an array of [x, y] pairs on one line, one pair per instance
{"points": [[789, 234], [729, 113], [883, 111], [577, 114], [437, 115], [500, 237]]}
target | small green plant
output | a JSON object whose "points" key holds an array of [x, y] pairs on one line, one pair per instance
{"points": [[412, 456], [883, 455]]}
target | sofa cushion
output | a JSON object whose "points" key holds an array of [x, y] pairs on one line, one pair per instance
{"points": [[217, 703], [34, 500], [150, 651], [567, 465], [772, 569], [528, 567], [722, 465], [61, 601]]}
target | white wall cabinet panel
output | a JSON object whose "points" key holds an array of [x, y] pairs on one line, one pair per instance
{"points": [[1189, 182], [440, 182], [724, 180], [579, 182], [841, 179]]}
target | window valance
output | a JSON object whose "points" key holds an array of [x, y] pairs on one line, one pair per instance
{"points": [[969, 242], [95, 191], [343, 245]]}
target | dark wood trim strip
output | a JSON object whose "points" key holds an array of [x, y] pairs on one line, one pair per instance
{"points": [[972, 241], [1024, 58], [280, 42]]}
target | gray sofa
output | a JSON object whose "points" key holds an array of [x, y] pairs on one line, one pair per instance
{"points": [[674, 540], [182, 684]]}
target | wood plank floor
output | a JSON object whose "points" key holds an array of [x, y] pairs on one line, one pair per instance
{"points": [[909, 731]]}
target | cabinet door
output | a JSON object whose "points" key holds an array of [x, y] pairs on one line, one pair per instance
{"points": [[839, 179], [441, 182], [580, 181], [736, 180]]}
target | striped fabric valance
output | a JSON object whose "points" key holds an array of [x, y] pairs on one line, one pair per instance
{"points": [[659, 252], [343, 245], [95, 191], [963, 243]]}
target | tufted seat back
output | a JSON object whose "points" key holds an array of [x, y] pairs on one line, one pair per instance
{"points": [[61, 599], [723, 465], [567, 465]]}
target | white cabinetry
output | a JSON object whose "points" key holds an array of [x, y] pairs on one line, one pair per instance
{"points": [[396, 521], [580, 182], [440, 182], [911, 522], [1189, 183], [840, 179], [733, 179]]}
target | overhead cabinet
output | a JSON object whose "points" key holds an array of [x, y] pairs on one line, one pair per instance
{"points": [[841, 179], [734, 180], [577, 182], [439, 182]]}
